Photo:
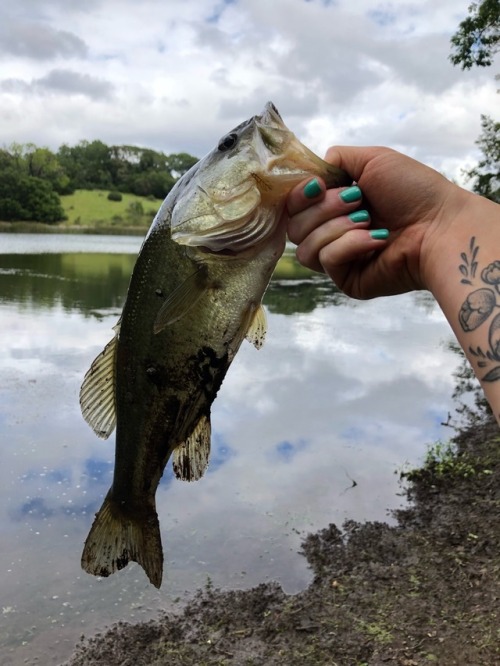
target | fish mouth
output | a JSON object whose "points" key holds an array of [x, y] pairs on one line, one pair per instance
{"points": [[244, 216], [288, 160], [270, 115], [272, 131]]}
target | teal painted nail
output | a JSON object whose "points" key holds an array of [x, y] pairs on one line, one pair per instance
{"points": [[312, 189], [359, 216], [351, 194], [379, 234]]}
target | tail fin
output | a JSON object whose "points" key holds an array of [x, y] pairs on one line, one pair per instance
{"points": [[117, 537]]}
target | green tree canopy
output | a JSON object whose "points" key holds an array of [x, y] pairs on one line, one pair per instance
{"points": [[477, 39], [43, 163], [144, 171], [476, 42], [179, 163], [24, 197], [486, 174], [88, 165]]}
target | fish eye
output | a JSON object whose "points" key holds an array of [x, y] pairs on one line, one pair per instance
{"points": [[228, 142]]}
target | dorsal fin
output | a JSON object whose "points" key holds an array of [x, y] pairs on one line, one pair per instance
{"points": [[97, 394], [190, 459]]}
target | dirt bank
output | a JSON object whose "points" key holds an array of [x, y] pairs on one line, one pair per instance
{"points": [[424, 591]]}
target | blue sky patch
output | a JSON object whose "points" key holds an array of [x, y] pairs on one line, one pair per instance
{"points": [[382, 17], [35, 507], [288, 450], [221, 452], [98, 470], [219, 10]]}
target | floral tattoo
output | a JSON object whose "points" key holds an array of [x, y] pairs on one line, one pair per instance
{"points": [[479, 306]]}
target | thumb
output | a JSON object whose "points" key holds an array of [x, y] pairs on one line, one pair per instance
{"points": [[352, 159]]}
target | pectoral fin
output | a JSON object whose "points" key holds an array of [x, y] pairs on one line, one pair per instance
{"points": [[256, 332], [97, 394], [190, 459], [181, 300]]}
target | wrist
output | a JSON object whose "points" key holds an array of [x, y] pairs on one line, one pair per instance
{"points": [[462, 215]]}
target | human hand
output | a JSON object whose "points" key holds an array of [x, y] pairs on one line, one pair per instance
{"points": [[380, 241]]}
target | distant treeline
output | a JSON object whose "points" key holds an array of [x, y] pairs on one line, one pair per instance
{"points": [[33, 178]]}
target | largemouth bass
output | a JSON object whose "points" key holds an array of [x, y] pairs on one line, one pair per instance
{"points": [[194, 295]]}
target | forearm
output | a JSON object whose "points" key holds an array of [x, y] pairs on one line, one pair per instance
{"points": [[464, 276]]}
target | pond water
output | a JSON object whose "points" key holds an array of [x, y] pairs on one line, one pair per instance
{"points": [[343, 391]]}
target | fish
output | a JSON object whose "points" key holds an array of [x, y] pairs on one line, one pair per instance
{"points": [[194, 295]]}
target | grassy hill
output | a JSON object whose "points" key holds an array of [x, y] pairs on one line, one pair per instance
{"points": [[92, 208]]}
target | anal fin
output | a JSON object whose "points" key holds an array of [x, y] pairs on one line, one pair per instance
{"points": [[190, 459]]}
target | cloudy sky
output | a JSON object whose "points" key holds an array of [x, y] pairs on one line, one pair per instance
{"points": [[175, 75]]}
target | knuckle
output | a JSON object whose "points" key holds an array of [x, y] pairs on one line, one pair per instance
{"points": [[304, 256], [326, 257], [294, 234]]}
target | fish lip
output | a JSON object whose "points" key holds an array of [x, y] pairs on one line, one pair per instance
{"points": [[271, 110], [269, 116], [271, 133]]}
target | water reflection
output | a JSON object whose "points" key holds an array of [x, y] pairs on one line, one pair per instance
{"points": [[92, 281], [84, 282], [288, 297], [342, 390]]}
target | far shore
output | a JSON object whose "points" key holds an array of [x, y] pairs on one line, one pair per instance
{"points": [[39, 228]]}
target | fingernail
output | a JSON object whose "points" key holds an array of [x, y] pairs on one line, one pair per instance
{"points": [[312, 189], [379, 234], [359, 216], [351, 194]]}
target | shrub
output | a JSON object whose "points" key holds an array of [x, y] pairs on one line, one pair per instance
{"points": [[115, 196]]}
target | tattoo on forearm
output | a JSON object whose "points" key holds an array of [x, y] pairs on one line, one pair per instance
{"points": [[479, 306]]}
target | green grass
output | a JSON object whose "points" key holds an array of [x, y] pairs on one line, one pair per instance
{"points": [[288, 268], [93, 208]]}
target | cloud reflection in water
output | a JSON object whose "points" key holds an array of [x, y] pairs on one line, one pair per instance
{"points": [[342, 391]]}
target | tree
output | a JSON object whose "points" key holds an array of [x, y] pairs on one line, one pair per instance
{"points": [[91, 165], [179, 163], [30, 160], [151, 183], [88, 165], [41, 201], [6, 159], [24, 197], [11, 210], [94, 165], [477, 39], [486, 174], [476, 42], [42, 163]]}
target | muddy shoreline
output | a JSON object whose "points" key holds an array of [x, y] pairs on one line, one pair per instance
{"points": [[425, 590]]}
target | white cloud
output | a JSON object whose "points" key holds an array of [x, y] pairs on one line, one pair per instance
{"points": [[30, 39], [175, 76]]}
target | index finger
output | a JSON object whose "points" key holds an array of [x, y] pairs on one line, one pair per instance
{"points": [[305, 194]]}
